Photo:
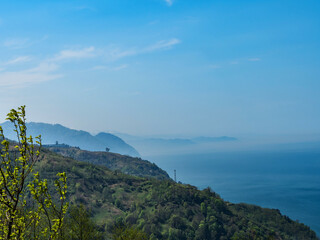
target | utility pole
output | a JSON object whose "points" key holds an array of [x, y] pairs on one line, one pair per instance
{"points": [[175, 175]]}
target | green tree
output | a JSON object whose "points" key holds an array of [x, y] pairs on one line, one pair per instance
{"points": [[79, 225], [27, 211], [123, 231]]}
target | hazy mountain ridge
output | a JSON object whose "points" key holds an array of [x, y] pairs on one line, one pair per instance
{"points": [[158, 145], [55, 132], [213, 139]]}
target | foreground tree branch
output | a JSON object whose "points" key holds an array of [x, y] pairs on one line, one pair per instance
{"points": [[27, 210]]}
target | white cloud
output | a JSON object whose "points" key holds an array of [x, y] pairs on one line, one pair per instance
{"points": [[169, 2], [75, 54], [47, 69], [16, 43], [117, 68], [254, 59], [17, 60], [44, 67], [166, 44], [123, 66], [116, 53], [42, 73], [113, 53]]}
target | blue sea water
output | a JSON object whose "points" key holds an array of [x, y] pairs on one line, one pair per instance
{"points": [[288, 181]]}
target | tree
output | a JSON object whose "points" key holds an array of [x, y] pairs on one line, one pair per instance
{"points": [[27, 210], [126, 232], [80, 226]]}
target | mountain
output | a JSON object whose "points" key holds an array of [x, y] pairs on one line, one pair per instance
{"points": [[213, 139], [165, 209], [125, 164], [149, 146], [52, 133]]}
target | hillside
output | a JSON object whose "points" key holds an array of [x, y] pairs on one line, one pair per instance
{"points": [[165, 209], [55, 132], [114, 161]]}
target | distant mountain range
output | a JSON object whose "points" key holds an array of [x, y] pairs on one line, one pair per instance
{"points": [[52, 133], [147, 146], [118, 143]]}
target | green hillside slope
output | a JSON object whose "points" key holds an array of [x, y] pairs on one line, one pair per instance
{"points": [[125, 164], [165, 209]]}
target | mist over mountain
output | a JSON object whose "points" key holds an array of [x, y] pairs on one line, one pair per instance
{"points": [[213, 139], [52, 133], [154, 145]]}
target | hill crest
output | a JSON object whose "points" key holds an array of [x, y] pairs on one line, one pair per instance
{"points": [[52, 133]]}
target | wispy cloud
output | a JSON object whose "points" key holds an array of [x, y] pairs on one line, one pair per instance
{"points": [[169, 2], [47, 69], [75, 54], [116, 53], [254, 59], [44, 67], [17, 79], [113, 53], [18, 60], [166, 44], [16, 43], [117, 68]]}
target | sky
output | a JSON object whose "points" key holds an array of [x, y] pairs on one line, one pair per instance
{"points": [[164, 67]]}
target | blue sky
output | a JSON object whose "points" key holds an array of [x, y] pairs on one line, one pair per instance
{"points": [[179, 67]]}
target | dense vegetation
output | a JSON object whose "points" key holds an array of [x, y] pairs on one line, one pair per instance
{"points": [[27, 209], [163, 209], [126, 164], [107, 204]]}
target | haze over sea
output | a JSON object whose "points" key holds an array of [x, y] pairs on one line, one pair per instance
{"points": [[284, 180]]}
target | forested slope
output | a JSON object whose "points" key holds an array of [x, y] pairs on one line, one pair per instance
{"points": [[130, 165], [164, 209]]}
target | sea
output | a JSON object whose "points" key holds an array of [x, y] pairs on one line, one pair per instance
{"points": [[288, 181]]}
